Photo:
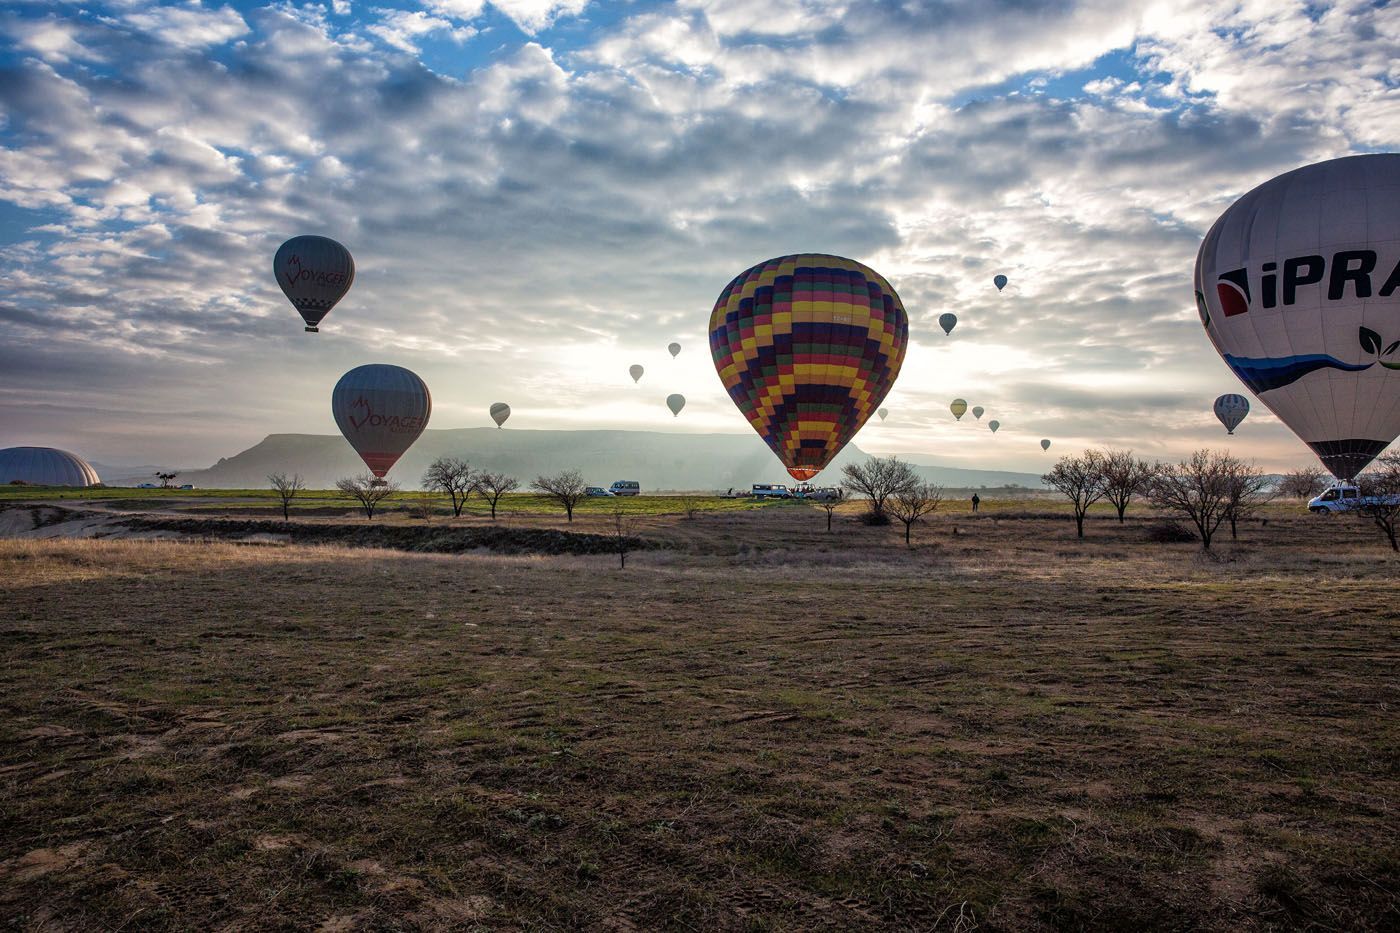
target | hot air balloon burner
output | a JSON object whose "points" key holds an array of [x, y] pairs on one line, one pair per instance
{"points": [[313, 330]]}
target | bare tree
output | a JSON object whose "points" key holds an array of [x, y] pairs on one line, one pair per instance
{"points": [[622, 534], [828, 506], [493, 486], [1124, 476], [367, 490], [421, 506], [877, 479], [1081, 481], [912, 502], [452, 476], [690, 504], [1379, 496], [1249, 489], [1302, 484], [286, 488], [566, 488], [166, 478], [1200, 488]]}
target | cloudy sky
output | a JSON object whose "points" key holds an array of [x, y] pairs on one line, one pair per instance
{"points": [[539, 193]]}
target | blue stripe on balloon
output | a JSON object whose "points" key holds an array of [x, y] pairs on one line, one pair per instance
{"points": [[1263, 375]]}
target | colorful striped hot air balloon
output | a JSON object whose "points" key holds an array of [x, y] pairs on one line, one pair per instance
{"points": [[807, 347]]}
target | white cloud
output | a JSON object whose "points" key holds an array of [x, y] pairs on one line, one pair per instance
{"points": [[400, 28], [191, 26]]}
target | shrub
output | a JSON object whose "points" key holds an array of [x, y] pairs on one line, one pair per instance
{"points": [[874, 518], [1169, 531]]}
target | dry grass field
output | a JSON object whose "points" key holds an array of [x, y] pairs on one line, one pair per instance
{"points": [[757, 727]]}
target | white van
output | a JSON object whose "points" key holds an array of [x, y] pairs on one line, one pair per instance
{"points": [[1343, 497], [626, 487], [770, 491]]}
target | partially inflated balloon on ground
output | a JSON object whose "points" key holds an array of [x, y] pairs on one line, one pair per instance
{"points": [[674, 349], [315, 272], [381, 410], [1044, 445], [499, 413], [807, 347], [977, 411], [958, 408], [635, 372], [947, 320], [1231, 409], [993, 425], [1298, 287], [675, 402]]}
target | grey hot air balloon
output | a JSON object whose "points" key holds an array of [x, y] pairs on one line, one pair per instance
{"points": [[675, 402], [45, 466], [947, 320], [958, 408], [381, 410], [500, 411], [1044, 444], [977, 411], [675, 350], [636, 372], [993, 425], [999, 281], [1231, 409], [882, 413], [315, 272]]}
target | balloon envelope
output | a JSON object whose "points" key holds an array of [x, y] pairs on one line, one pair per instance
{"points": [[636, 372], [675, 402], [958, 408], [675, 350], [882, 413], [45, 466], [1298, 287], [381, 410], [1044, 445], [500, 411], [947, 320], [999, 281], [1231, 409], [808, 346], [315, 272], [977, 411], [994, 425]]}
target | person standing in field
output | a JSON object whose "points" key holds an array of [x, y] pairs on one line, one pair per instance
{"points": [[976, 501]]}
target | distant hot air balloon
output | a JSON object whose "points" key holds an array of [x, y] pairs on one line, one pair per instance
{"points": [[1231, 409], [1044, 445], [675, 402], [381, 410], [500, 411], [1298, 286], [999, 281], [958, 408], [947, 320], [315, 272], [807, 347], [977, 411], [882, 413], [994, 425], [675, 350], [636, 372]]}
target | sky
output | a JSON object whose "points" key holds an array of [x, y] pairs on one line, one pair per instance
{"points": [[540, 193]]}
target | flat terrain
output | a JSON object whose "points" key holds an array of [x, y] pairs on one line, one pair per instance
{"points": [[755, 725]]}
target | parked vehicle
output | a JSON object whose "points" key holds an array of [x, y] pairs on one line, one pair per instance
{"points": [[147, 486], [596, 491], [187, 486], [771, 491], [1341, 497], [816, 493], [626, 487]]}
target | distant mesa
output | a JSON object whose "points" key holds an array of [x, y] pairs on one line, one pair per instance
{"points": [[45, 466]]}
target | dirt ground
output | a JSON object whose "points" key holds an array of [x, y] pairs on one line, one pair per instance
{"points": [[757, 726]]}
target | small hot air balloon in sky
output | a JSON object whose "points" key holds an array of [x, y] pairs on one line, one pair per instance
{"points": [[675, 402], [808, 346], [883, 413], [636, 372], [993, 425], [315, 272], [1231, 409], [958, 408], [1044, 444], [381, 410], [977, 411], [999, 281], [1298, 287], [947, 320], [675, 350], [500, 411]]}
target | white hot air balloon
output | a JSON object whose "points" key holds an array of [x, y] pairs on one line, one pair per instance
{"points": [[674, 349], [675, 402], [1231, 409], [45, 466], [1044, 444], [635, 372], [993, 425], [1298, 287], [381, 410], [500, 411], [883, 412], [314, 272], [978, 411]]}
